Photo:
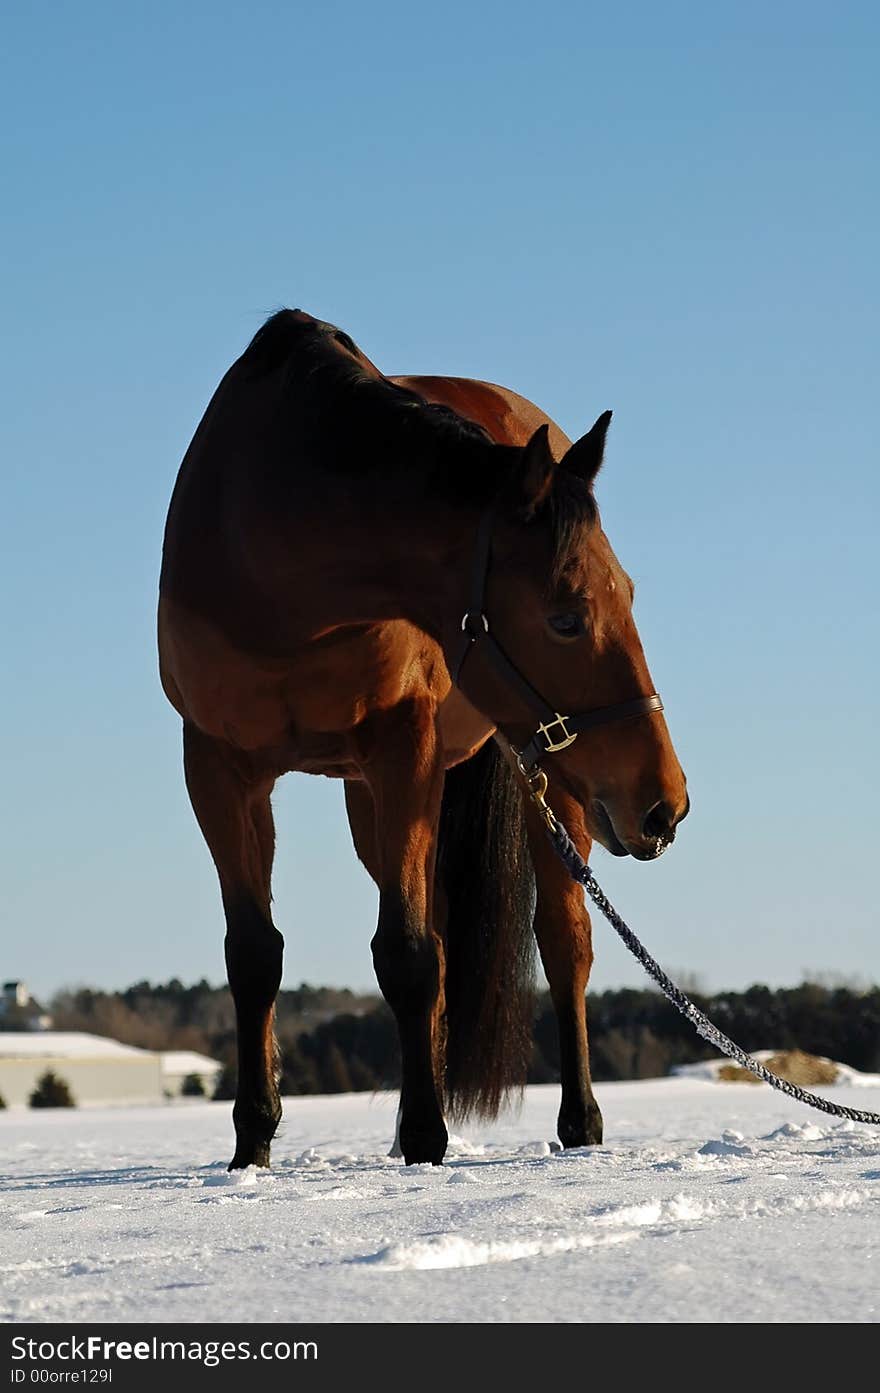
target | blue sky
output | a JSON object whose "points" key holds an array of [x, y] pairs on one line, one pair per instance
{"points": [[668, 210]]}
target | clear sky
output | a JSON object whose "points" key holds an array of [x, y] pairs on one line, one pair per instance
{"points": [[670, 210]]}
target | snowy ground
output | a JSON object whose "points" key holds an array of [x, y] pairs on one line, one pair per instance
{"points": [[711, 1202]]}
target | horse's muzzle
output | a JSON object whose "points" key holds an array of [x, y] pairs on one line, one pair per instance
{"points": [[656, 835]]}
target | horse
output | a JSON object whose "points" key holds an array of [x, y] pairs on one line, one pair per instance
{"points": [[393, 581]]}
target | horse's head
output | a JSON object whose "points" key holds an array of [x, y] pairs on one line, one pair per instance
{"points": [[558, 605]]}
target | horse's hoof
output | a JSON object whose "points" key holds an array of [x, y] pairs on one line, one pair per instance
{"points": [[585, 1130], [421, 1148], [255, 1126], [250, 1154]]}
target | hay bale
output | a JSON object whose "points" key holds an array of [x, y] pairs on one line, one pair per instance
{"points": [[795, 1066]]}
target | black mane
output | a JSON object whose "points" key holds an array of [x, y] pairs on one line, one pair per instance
{"points": [[404, 429]]}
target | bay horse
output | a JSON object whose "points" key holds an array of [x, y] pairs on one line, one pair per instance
{"points": [[329, 528]]}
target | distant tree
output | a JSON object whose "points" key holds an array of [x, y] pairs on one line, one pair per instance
{"points": [[51, 1092], [192, 1087], [224, 1087], [332, 1039], [542, 1069], [299, 1071], [652, 1057], [361, 1077], [335, 1077], [2, 1102], [614, 1054]]}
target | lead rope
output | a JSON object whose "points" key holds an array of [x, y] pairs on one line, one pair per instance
{"points": [[580, 871]]}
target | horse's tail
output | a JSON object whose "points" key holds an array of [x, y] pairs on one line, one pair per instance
{"points": [[485, 875]]}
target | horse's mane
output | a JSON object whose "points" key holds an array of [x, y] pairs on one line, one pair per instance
{"points": [[324, 366]]}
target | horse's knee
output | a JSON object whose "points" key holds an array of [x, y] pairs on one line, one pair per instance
{"points": [[566, 948], [254, 953], [407, 965]]}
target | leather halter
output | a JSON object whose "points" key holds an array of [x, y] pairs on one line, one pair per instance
{"points": [[555, 731]]}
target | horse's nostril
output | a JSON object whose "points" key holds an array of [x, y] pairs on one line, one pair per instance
{"points": [[658, 822]]}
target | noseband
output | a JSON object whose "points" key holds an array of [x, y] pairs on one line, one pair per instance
{"points": [[555, 732]]}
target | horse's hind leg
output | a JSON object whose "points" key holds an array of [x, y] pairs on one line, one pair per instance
{"points": [[235, 816], [564, 934]]}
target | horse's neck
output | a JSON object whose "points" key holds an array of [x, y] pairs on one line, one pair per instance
{"points": [[401, 556], [403, 509], [368, 505]]}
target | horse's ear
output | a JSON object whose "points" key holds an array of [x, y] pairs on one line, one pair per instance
{"points": [[584, 458], [533, 473]]}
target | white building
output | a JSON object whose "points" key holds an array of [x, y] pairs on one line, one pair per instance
{"points": [[178, 1065], [95, 1069]]}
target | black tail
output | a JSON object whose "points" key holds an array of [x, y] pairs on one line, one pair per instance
{"points": [[484, 872]]}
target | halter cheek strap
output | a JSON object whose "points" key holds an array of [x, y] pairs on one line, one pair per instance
{"points": [[555, 731]]}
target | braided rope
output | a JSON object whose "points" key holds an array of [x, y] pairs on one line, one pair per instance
{"points": [[580, 871]]}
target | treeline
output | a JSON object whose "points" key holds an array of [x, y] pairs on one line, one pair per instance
{"points": [[337, 1041], [639, 1035]]}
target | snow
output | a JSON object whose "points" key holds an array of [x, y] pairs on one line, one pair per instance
{"points": [[708, 1203]]}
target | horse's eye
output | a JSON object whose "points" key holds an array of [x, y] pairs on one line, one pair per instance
{"points": [[567, 625]]}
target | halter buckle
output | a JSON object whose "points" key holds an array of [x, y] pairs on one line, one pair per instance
{"points": [[567, 737], [465, 624]]}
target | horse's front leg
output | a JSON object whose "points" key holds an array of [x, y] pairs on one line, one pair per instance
{"points": [[404, 771], [564, 934], [236, 820]]}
